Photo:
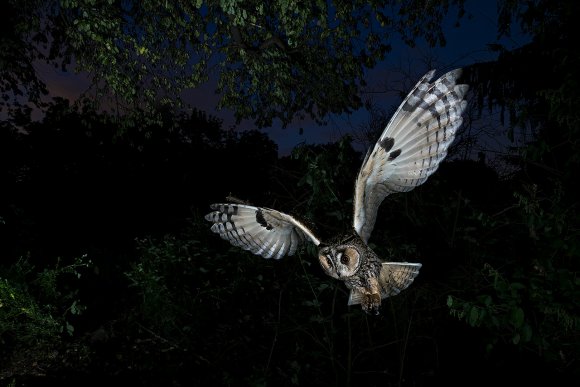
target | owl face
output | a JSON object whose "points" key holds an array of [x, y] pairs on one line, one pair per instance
{"points": [[340, 261]]}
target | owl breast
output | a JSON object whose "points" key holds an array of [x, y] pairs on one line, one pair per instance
{"points": [[370, 268]]}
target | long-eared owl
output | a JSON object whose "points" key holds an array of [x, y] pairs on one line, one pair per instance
{"points": [[409, 150]]}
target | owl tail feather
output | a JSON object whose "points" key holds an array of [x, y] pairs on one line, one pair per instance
{"points": [[356, 297]]}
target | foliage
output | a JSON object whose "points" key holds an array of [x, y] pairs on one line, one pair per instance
{"points": [[526, 290], [37, 310], [312, 54], [548, 323], [179, 304], [189, 291], [90, 171], [211, 304], [527, 296], [327, 181], [18, 51], [165, 301], [22, 318]]}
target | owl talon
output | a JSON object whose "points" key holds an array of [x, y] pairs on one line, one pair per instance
{"points": [[372, 304]]}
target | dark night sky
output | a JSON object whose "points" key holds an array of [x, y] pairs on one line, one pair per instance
{"points": [[466, 44]]}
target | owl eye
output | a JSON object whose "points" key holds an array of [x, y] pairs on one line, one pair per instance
{"points": [[343, 259], [328, 261], [350, 256]]}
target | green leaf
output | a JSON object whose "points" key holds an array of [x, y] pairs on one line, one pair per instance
{"points": [[69, 328], [517, 317], [517, 286], [473, 316], [526, 333]]}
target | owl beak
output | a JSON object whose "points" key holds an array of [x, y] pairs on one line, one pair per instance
{"points": [[341, 271]]}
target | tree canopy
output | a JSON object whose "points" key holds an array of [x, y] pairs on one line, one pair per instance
{"points": [[272, 60]]}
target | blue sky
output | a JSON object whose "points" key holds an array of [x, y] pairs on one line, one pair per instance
{"points": [[401, 68], [466, 44]]}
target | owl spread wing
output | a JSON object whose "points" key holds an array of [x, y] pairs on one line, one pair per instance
{"points": [[411, 147], [393, 278], [261, 230]]}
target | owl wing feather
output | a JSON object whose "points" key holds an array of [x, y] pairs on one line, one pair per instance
{"points": [[411, 147], [397, 276], [394, 277], [261, 230]]}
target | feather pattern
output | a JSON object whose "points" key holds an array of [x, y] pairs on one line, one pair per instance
{"points": [[397, 276], [261, 230], [394, 277], [411, 147]]}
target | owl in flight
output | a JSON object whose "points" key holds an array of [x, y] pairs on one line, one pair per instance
{"points": [[408, 151]]}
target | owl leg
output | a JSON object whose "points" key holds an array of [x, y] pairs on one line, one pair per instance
{"points": [[371, 303], [368, 297], [372, 300]]}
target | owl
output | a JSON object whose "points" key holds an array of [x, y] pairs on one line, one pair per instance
{"points": [[409, 150]]}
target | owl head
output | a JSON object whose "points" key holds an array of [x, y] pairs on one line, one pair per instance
{"points": [[339, 261]]}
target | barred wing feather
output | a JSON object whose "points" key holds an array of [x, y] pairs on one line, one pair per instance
{"points": [[261, 230], [397, 276], [411, 147]]}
